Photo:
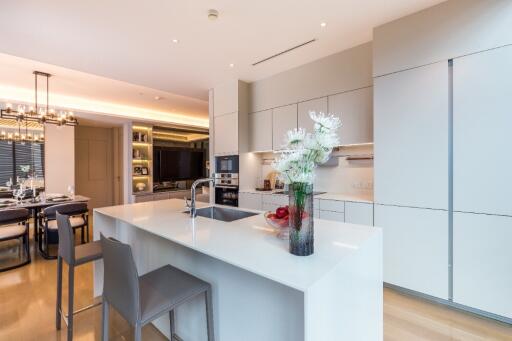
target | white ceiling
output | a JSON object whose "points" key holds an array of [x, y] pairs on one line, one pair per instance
{"points": [[131, 41]]}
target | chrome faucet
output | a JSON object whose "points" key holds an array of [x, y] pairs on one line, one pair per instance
{"points": [[192, 204]]}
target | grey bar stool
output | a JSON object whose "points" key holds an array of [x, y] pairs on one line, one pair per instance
{"points": [[142, 299], [14, 225], [73, 256]]}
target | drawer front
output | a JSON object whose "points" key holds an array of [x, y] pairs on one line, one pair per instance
{"points": [[334, 216], [269, 207], [332, 205], [359, 213], [275, 199]]}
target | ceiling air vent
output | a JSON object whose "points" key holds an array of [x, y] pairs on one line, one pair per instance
{"points": [[285, 51]]}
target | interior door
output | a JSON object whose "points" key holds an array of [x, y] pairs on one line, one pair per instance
{"points": [[94, 165]]}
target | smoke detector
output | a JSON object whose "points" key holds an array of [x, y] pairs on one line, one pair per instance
{"points": [[213, 14]]}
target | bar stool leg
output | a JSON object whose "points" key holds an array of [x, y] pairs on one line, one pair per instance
{"points": [[138, 332], [104, 334], [209, 314], [172, 324], [58, 317], [71, 290]]}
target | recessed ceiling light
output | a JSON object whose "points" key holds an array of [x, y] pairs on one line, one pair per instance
{"points": [[323, 24], [231, 65], [175, 41], [157, 98], [213, 14]]}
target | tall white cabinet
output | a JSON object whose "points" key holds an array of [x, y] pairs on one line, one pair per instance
{"points": [[482, 235], [411, 131], [411, 137]]}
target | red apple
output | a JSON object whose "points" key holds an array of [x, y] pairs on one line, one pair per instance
{"points": [[281, 212]]}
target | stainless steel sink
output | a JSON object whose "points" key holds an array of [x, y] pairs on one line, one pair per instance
{"points": [[223, 214]]}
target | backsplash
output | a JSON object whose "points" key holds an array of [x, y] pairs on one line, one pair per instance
{"points": [[349, 177]]}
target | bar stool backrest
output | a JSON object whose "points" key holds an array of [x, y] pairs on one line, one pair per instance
{"points": [[70, 209], [121, 280], [66, 239], [14, 215]]}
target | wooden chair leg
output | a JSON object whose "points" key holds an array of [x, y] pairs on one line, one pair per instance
{"points": [[58, 317]]}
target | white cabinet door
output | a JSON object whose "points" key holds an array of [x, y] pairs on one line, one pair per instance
{"points": [[411, 137], [283, 120], [482, 118], [332, 205], [318, 105], [355, 108], [334, 216], [250, 200], [415, 248], [482, 262], [226, 134], [225, 98], [260, 131], [359, 213]]}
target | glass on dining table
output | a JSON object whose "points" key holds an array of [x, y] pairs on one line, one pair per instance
{"points": [[71, 191]]}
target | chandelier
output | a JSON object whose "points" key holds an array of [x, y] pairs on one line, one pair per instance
{"points": [[36, 113]]}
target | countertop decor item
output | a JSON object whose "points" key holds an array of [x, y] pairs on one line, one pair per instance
{"points": [[296, 167]]}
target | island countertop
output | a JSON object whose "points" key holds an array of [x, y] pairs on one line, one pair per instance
{"points": [[249, 243]]}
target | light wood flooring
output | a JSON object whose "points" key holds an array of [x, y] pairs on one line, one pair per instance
{"points": [[27, 312]]}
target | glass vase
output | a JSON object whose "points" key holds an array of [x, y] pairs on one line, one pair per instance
{"points": [[301, 219]]}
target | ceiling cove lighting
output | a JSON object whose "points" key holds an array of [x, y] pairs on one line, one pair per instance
{"points": [[41, 114], [85, 105]]}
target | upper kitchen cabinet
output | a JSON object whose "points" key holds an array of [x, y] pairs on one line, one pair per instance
{"points": [[226, 134], [318, 105], [411, 137], [283, 120], [225, 98], [482, 117], [355, 109], [260, 131], [230, 118]]}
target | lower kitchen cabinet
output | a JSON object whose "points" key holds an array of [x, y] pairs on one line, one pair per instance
{"points": [[482, 262], [331, 215], [250, 200], [359, 213], [415, 248]]}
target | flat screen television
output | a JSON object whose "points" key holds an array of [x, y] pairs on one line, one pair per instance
{"points": [[173, 164]]}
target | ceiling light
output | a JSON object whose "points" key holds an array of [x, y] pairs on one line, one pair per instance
{"points": [[157, 98], [213, 14], [175, 41], [231, 65], [323, 24]]}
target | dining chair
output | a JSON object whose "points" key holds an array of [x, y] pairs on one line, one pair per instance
{"points": [[79, 219], [14, 224], [74, 256], [141, 299]]}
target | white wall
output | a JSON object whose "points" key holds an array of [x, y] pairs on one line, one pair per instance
{"points": [[59, 153]]}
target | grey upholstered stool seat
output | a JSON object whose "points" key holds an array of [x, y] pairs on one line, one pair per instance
{"points": [[73, 256], [142, 299]]}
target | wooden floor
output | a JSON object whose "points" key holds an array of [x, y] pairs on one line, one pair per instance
{"points": [[27, 312]]}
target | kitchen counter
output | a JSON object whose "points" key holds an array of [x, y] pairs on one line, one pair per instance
{"points": [[334, 294]]}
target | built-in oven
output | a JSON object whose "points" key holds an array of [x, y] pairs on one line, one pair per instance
{"points": [[226, 164], [226, 189]]}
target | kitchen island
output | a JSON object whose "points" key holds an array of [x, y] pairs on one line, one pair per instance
{"points": [[260, 291]]}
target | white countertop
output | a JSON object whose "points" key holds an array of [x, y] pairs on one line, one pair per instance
{"points": [[250, 243], [364, 198]]}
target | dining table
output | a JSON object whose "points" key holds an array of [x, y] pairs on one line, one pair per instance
{"points": [[35, 205]]}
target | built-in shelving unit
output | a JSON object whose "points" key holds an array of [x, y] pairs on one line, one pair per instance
{"points": [[142, 159]]}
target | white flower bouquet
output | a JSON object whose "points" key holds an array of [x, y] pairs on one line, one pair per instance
{"points": [[296, 167]]}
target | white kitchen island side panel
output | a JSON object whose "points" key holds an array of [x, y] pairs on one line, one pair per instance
{"points": [[246, 306]]}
